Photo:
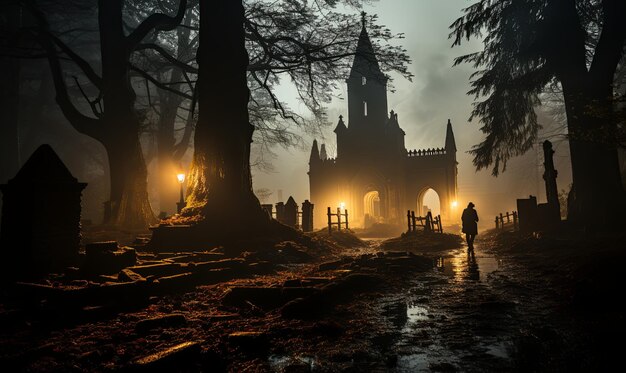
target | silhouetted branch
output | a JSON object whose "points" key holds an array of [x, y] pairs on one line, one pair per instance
{"points": [[158, 21]]}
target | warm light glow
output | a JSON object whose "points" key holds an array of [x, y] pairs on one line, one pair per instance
{"points": [[181, 178], [454, 204], [342, 206]]}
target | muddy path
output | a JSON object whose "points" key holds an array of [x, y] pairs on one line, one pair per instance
{"points": [[472, 311]]}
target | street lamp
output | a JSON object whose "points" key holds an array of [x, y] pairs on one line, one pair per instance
{"points": [[180, 205]]}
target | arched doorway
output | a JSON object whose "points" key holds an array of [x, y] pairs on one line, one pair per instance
{"points": [[371, 202], [428, 200]]}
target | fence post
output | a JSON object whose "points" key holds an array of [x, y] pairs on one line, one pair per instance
{"points": [[408, 220], [347, 222], [439, 222], [497, 222], [338, 219], [413, 221], [501, 221], [330, 223], [515, 220]]}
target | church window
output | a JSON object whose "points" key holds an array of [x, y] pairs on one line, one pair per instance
{"points": [[365, 108], [363, 80]]}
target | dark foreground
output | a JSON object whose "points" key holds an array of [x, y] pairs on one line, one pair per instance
{"points": [[516, 303]]}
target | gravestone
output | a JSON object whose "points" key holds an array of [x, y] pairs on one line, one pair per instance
{"points": [[40, 217], [527, 214], [280, 212], [307, 216], [291, 213]]}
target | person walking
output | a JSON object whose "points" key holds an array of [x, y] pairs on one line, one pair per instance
{"points": [[470, 224]]}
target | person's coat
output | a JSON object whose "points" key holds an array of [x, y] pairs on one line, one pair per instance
{"points": [[470, 221]]}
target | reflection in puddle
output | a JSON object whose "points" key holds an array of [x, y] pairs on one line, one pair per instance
{"points": [[416, 313], [468, 265], [278, 363], [413, 363]]}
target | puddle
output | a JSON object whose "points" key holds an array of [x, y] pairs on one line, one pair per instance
{"points": [[416, 313], [500, 350], [468, 265], [280, 363], [413, 363]]}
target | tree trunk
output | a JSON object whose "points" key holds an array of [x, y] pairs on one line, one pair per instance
{"points": [[130, 207], [598, 198], [9, 101], [220, 182]]}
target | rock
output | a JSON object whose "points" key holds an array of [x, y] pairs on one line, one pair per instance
{"points": [[328, 266], [162, 269], [177, 283], [165, 321], [261, 268], [249, 341], [127, 275], [331, 294], [266, 298], [107, 257], [174, 358], [295, 282]]}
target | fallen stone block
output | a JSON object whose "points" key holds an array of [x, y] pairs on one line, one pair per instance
{"points": [[249, 341], [165, 321], [177, 283], [174, 358], [266, 298], [159, 270], [107, 257], [127, 275], [332, 265], [334, 293]]}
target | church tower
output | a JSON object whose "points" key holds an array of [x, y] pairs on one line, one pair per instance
{"points": [[367, 89]]}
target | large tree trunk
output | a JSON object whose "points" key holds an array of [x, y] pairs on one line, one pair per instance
{"points": [[597, 199], [9, 100], [220, 181], [130, 207]]}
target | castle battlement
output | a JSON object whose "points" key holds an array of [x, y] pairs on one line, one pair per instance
{"points": [[426, 152]]}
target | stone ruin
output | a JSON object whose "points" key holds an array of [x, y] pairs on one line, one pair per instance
{"points": [[41, 210]]}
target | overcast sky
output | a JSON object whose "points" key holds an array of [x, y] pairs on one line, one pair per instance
{"points": [[437, 93]]}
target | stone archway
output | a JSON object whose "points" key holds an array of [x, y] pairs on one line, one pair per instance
{"points": [[371, 208], [429, 200]]}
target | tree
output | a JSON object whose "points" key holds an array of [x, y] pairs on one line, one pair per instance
{"points": [[220, 183], [9, 92], [529, 44], [117, 127]]}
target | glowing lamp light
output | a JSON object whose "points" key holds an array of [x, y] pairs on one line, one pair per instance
{"points": [[342, 206], [181, 178], [454, 204]]}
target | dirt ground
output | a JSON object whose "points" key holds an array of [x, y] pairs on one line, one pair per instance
{"points": [[514, 303]]}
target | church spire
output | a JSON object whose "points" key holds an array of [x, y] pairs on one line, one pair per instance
{"points": [[365, 62], [450, 143], [315, 153], [341, 126]]}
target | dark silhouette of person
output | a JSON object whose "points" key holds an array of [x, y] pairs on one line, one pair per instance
{"points": [[470, 224]]}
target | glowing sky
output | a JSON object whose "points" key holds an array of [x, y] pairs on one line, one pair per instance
{"points": [[438, 92]]}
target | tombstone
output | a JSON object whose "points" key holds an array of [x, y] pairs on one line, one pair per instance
{"points": [[551, 214], [291, 213], [280, 212], [527, 214], [40, 217], [307, 216]]}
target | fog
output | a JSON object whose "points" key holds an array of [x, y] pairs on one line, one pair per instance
{"points": [[436, 94]]}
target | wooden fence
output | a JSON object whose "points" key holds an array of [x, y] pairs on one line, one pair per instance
{"points": [[428, 223], [507, 219], [338, 215]]}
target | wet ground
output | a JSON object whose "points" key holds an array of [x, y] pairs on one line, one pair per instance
{"points": [[493, 308]]}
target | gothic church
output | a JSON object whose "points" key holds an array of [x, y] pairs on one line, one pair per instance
{"points": [[373, 175]]}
